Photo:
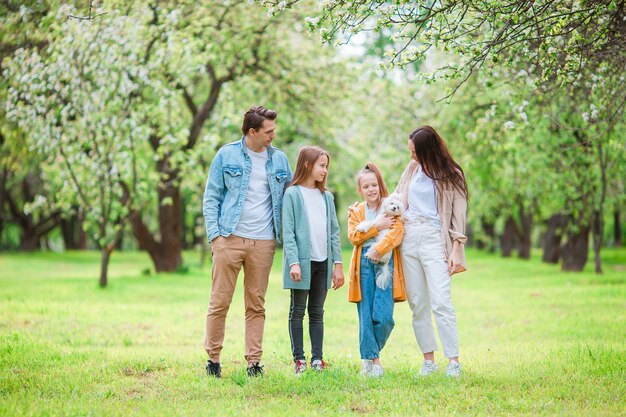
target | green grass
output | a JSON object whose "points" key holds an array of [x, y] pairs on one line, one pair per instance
{"points": [[534, 341]]}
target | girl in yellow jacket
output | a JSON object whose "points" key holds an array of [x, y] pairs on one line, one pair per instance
{"points": [[374, 304]]}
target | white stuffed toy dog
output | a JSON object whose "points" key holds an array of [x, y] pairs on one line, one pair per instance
{"points": [[392, 205]]}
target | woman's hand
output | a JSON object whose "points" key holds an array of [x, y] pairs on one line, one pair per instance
{"points": [[455, 258], [338, 279], [295, 272], [384, 222]]}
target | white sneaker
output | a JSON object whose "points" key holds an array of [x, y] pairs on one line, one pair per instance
{"points": [[318, 365], [377, 371], [454, 369], [428, 367], [367, 367], [299, 366]]}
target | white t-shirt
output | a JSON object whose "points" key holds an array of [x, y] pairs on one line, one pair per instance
{"points": [[315, 207], [422, 197], [257, 220], [370, 215]]}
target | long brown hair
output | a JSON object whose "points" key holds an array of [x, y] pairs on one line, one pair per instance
{"points": [[371, 167], [307, 157], [434, 156]]}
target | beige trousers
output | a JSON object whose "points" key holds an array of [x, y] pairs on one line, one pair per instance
{"points": [[229, 255], [428, 287]]}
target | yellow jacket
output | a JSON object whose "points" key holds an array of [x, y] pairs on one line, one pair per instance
{"points": [[356, 214]]}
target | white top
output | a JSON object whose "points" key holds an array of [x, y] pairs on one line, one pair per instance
{"points": [[257, 220], [423, 197], [370, 215], [315, 207]]}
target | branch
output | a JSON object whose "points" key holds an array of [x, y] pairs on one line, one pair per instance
{"points": [[90, 16], [188, 99], [15, 211]]}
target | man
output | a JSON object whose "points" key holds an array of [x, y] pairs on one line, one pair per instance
{"points": [[242, 205]]}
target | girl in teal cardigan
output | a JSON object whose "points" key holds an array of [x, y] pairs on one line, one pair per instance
{"points": [[311, 252]]}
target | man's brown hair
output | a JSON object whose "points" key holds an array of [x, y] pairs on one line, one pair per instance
{"points": [[254, 118]]}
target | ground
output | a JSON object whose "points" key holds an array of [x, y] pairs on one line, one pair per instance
{"points": [[534, 341]]}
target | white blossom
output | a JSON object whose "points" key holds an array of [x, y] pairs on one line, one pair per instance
{"points": [[524, 117], [313, 21]]}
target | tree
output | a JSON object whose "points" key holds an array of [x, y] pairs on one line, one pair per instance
{"points": [[23, 24], [192, 69], [79, 110], [19, 189], [218, 59], [557, 37], [556, 44]]}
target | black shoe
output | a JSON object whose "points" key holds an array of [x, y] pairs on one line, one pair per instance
{"points": [[213, 369], [254, 369]]}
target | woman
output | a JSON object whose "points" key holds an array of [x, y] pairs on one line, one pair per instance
{"points": [[435, 198]]}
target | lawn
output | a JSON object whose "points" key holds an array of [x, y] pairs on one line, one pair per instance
{"points": [[534, 341]]}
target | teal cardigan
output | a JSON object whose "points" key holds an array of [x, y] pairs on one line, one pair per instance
{"points": [[297, 239]]}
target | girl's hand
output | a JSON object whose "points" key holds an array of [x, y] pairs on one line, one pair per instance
{"points": [[374, 255], [384, 222], [296, 273], [338, 279]]}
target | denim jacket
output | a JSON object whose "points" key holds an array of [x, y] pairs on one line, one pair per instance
{"points": [[227, 187]]}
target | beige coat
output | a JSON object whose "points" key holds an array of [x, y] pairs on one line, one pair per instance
{"points": [[451, 207]]}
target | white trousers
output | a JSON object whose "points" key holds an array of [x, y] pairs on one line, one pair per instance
{"points": [[428, 286]]}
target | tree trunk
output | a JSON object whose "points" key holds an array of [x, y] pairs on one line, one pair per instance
{"points": [[525, 233], [509, 237], [204, 251], [598, 233], [119, 243], [30, 239], [104, 264], [576, 250], [481, 242], [74, 237], [166, 254], [81, 242], [469, 233], [490, 231], [195, 239], [170, 255], [617, 229], [552, 238], [184, 231]]}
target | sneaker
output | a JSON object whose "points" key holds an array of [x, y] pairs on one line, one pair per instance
{"points": [[367, 367], [428, 367], [213, 369], [377, 371], [454, 369], [254, 369], [318, 365], [299, 366]]}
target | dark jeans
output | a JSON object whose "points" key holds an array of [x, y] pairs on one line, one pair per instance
{"points": [[316, 296]]}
